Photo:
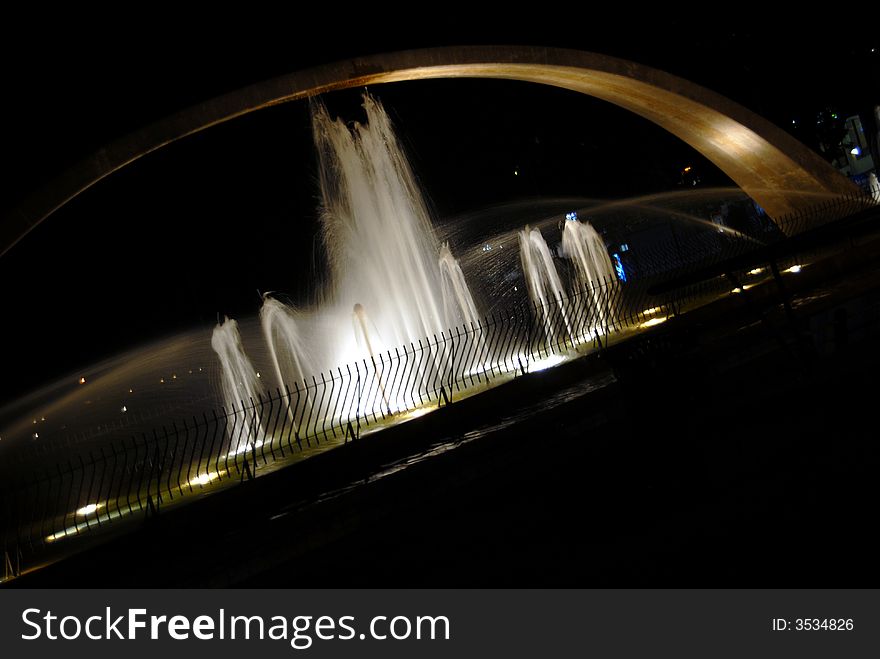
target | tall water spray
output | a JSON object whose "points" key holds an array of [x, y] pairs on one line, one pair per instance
{"points": [[390, 281], [542, 280], [239, 384], [377, 231]]}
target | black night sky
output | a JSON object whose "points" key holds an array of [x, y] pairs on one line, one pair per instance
{"points": [[199, 227]]}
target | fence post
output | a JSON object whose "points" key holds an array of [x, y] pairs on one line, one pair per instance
{"points": [[451, 381], [12, 564], [160, 466], [780, 285], [444, 398]]}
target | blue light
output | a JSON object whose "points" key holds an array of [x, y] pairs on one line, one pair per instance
{"points": [[618, 267], [571, 217], [624, 247]]}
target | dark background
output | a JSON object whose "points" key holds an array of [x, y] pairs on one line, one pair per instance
{"points": [[198, 228]]}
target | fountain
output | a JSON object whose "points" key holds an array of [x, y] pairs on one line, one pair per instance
{"points": [[458, 303], [390, 281], [378, 234], [585, 247], [543, 283], [240, 386], [287, 347], [390, 284]]}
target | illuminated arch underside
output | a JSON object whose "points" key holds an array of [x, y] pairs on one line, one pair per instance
{"points": [[773, 168]]}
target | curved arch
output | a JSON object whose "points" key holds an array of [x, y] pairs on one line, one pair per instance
{"points": [[773, 168]]}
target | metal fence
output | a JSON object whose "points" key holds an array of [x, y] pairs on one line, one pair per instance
{"points": [[132, 477]]}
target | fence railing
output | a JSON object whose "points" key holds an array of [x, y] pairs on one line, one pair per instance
{"points": [[136, 476]]}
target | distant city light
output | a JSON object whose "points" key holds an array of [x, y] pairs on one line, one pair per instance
{"points": [[794, 269], [737, 290], [516, 172], [687, 169], [82, 380], [124, 409], [756, 271]]}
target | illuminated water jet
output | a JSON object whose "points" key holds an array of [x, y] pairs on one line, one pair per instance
{"points": [[542, 279], [458, 303], [287, 348], [585, 247], [239, 384]]}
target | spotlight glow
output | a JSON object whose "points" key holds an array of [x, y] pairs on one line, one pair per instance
{"points": [[795, 269], [416, 413], [204, 479], [88, 510], [548, 362]]}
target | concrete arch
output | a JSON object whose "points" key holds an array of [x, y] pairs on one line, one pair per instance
{"points": [[772, 167]]}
